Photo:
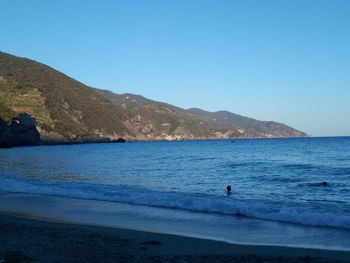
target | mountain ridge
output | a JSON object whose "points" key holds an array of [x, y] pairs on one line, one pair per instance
{"points": [[66, 110]]}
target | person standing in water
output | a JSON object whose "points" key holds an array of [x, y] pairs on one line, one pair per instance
{"points": [[228, 189]]}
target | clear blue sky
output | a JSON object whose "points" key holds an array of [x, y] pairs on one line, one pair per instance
{"points": [[287, 61]]}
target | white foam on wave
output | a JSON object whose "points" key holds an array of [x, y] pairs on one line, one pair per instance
{"points": [[192, 202]]}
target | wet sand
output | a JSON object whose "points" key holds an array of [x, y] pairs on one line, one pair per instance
{"points": [[33, 240]]}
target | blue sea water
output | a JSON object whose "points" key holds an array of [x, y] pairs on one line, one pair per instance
{"points": [[277, 182]]}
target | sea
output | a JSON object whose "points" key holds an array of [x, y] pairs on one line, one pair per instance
{"points": [[285, 192]]}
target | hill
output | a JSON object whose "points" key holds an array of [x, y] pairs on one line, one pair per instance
{"points": [[220, 124], [67, 110]]}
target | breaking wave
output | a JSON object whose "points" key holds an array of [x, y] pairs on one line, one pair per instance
{"points": [[260, 209]]}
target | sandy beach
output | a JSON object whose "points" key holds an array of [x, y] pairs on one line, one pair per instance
{"points": [[33, 240]]}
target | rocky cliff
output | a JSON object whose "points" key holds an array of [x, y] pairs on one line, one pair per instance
{"points": [[21, 131]]}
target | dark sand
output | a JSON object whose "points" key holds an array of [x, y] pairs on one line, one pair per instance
{"points": [[29, 240]]}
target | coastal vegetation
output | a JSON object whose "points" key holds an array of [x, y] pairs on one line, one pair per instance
{"points": [[67, 110]]}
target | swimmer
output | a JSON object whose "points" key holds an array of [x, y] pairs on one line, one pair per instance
{"points": [[228, 189]]}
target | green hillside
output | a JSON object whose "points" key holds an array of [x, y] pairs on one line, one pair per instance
{"points": [[250, 126], [67, 110], [198, 123], [64, 108]]}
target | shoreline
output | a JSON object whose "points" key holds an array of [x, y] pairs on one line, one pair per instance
{"points": [[231, 230], [57, 241], [103, 141], [122, 140]]}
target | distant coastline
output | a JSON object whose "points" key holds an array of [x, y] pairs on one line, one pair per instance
{"points": [[14, 142], [67, 111]]}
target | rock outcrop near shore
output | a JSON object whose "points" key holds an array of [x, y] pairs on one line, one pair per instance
{"points": [[20, 132]]}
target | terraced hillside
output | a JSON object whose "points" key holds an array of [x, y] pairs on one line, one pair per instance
{"points": [[65, 109]]}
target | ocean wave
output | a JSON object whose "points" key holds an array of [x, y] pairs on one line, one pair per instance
{"points": [[316, 184], [247, 164], [318, 169], [260, 209], [300, 166]]}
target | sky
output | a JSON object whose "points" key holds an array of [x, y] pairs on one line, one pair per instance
{"points": [[286, 61]]}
